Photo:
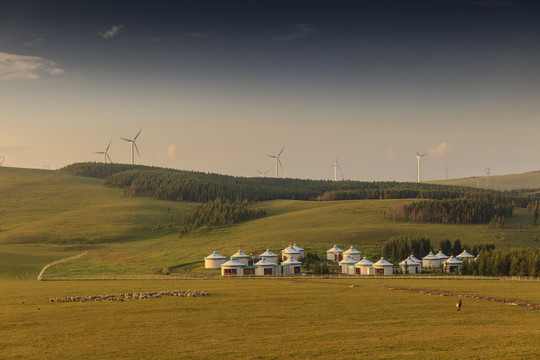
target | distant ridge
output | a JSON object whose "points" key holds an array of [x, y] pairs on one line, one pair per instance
{"points": [[526, 180]]}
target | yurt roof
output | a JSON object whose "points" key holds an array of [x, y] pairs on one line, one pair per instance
{"points": [[465, 254], [414, 259], [268, 253], [291, 250], [364, 262], [382, 263], [409, 262], [431, 256], [347, 260], [239, 254], [215, 256], [232, 263], [334, 249], [298, 248], [442, 255], [453, 261], [264, 262], [291, 261], [352, 251]]}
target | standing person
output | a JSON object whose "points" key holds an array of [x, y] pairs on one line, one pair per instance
{"points": [[458, 305]]}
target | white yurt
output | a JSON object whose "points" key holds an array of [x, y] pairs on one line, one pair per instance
{"points": [[289, 252], [364, 267], [431, 260], [353, 254], [334, 254], [232, 268], [383, 267], [300, 250], [465, 255], [442, 256], [291, 266], [409, 266], [214, 261], [452, 265], [269, 256], [413, 258], [265, 267], [346, 266], [241, 258]]}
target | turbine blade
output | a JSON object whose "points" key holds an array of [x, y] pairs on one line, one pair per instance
{"points": [[99, 152], [136, 136], [281, 151], [272, 156], [136, 148], [417, 153], [259, 171], [279, 161], [128, 140], [108, 157], [339, 168], [108, 146], [266, 172]]}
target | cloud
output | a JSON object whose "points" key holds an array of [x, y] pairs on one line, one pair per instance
{"points": [[171, 151], [34, 42], [439, 151], [14, 67], [301, 30], [111, 32], [199, 35]]}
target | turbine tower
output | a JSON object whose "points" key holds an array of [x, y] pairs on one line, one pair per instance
{"points": [[2, 159], [446, 167], [418, 157], [488, 172], [336, 166], [133, 145], [105, 153], [278, 161], [262, 174]]}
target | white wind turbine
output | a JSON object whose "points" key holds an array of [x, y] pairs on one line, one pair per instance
{"points": [[105, 153], [133, 145], [262, 174], [336, 166], [418, 157], [2, 159], [278, 161]]}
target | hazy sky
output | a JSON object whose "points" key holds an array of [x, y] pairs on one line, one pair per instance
{"points": [[218, 85]]}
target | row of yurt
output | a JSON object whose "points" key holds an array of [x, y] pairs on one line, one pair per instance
{"points": [[365, 267], [411, 265], [262, 268], [336, 254], [215, 260], [436, 261]]}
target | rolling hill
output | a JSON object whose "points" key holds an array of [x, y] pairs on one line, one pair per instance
{"points": [[527, 180]]}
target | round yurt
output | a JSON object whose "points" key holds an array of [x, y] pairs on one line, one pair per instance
{"points": [[442, 256], [291, 266], [289, 252], [409, 266], [269, 256], [232, 268], [383, 267], [334, 254], [364, 267], [452, 265], [214, 261], [431, 260], [346, 266], [413, 258], [265, 267], [300, 250], [241, 258], [465, 255], [353, 254]]}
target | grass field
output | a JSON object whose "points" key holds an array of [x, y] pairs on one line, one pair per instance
{"points": [[270, 319], [526, 180], [48, 215]]}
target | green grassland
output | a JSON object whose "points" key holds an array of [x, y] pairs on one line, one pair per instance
{"points": [[49, 215], [528, 180], [269, 319]]}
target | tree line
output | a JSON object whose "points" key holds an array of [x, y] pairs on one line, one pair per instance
{"points": [[507, 262], [453, 211], [218, 213]]}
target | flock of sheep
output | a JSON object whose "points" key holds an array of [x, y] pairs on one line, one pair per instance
{"points": [[128, 296]]}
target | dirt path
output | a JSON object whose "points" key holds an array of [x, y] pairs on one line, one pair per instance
{"points": [[40, 276]]}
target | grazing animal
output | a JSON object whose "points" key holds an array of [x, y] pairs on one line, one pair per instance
{"points": [[458, 305]]}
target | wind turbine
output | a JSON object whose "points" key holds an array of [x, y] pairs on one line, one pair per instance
{"points": [[133, 145], [2, 159], [105, 153], [262, 174], [278, 161], [418, 157], [336, 166]]}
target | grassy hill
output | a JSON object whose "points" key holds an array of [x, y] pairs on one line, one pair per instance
{"points": [[528, 180], [48, 215]]}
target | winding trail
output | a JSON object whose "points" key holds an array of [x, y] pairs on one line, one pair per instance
{"points": [[40, 276]]}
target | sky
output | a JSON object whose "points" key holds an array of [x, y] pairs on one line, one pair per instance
{"points": [[216, 86]]}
